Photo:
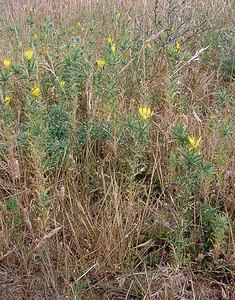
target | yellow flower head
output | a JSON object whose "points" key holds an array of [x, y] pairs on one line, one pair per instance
{"points": [[62, 83], [35, 37], [145, 112], [194, 143], [110, 40], [113, 49], [148, 46], [177, 47], [213, 117], [101, 63], [6, 63], [36, 92], [28, 54], [7, 99], [30, 9], [118, 14], [79, 25]]}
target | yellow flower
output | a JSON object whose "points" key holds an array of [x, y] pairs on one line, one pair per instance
{"points": [[145, 112], [28, 54], [101, 63], [194, 143], [113, 49], [35, 37], [7, 63], [148, 46], [62, 83], [118, 14], [36, 92], [7, 99], [213, 117], [30, 9], [79, 25], [110, 40], [177, 47]]}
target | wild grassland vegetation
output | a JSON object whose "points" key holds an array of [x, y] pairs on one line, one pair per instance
{"points": [[117, 149]]}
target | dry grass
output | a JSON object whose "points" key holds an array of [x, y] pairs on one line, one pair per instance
{"points": [[121, 216]]}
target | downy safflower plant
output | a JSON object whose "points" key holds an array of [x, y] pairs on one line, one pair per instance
{"points": [[7, 99], [110, 40], [148, 46], [101, 63], [145, 112], [194, 143], [36, 92], [28, 54], [113, 49], [177, 47], [6, 63], [62, 83]]}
